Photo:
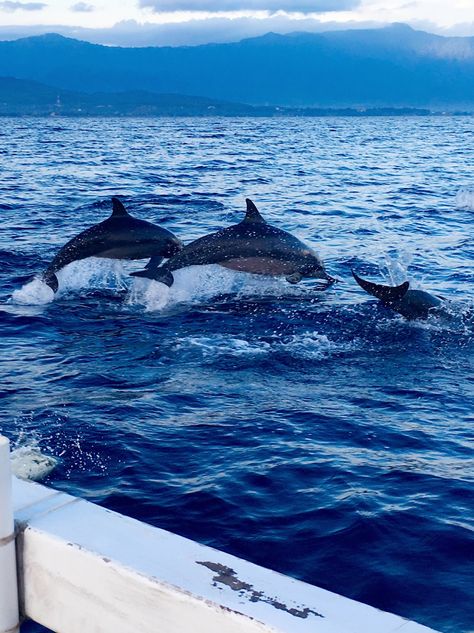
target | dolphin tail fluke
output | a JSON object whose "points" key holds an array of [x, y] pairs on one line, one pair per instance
{"points": [[389, 295], [157, 274], [51, 280]]}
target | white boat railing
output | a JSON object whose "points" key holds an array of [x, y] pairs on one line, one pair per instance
{"points": [[9, 616], [84, 569]]}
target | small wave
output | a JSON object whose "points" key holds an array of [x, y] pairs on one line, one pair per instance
{"points": [[212, 346], [309, 346], [314, 346], [465, 199], [28, 462]]}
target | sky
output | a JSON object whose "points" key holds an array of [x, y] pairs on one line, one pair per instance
{"points": [[177, 22]]}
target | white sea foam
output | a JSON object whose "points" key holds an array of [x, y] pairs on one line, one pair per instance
{"points": [[201, 283], [192, 285], [465, 199], [92, 272], [308, 346], [220, 345], [28, 462], [311, 346], [153, 295], [35, 292]]}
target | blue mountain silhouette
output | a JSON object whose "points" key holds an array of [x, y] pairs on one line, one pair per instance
{"points": [[394, 66]]}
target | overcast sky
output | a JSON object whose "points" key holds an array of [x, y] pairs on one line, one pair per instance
{"points": [[139, 22]]}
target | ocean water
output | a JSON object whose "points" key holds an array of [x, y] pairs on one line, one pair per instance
{"points": [[318, 434]]}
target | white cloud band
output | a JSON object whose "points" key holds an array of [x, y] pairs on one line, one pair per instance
{"points": [[214, 6], [10, 6], [82, 7]]}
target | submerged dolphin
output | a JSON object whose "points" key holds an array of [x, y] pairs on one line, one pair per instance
{"points": [[412, 304], [252, 246], [121, 236]]}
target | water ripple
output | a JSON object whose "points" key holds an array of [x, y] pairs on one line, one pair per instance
{"points": [[315, 433]]}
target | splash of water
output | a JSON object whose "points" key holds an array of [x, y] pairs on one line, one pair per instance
{"points": [[465, 199], [28, 462], [394, 263], [92, 272], [397, 264], [153, 295], [195, 284], [35, 292]]}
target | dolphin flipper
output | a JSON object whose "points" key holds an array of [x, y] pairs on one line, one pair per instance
{"points": [[388, 295], [294, 278], [157, 274], [154, 262]]}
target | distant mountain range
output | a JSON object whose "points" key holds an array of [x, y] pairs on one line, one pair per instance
{"points": [[394, 67]]}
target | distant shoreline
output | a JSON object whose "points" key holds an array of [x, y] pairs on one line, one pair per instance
{"points": [[20, 97], [283, 115]]}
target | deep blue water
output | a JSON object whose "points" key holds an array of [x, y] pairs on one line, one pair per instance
{"points": [[317, 434]]}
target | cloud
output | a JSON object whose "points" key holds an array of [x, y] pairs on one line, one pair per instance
{"points": [[214, 6], [204, 31], [82, 7], [11, 6], [193, 32]]}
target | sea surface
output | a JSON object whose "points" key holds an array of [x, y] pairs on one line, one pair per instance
{"points": [[315, 433]]}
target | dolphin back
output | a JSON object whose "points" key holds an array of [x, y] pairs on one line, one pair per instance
{"points": [[120, 236], [388, 295]]}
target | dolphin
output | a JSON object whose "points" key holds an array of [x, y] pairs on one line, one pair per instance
{"points": [[121, 236], [252, 246], [412, 304]]}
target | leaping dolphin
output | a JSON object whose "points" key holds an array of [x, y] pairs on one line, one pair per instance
{"points": [[121, 236], [412, 304], [252, 246]]}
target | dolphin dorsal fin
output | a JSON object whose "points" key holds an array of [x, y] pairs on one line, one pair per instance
{"points": [[387, 294], [253, 214], [118, 209]]}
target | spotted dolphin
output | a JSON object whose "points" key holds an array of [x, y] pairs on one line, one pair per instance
{"points": [[412, 304], [252, 246], [121, 236]]}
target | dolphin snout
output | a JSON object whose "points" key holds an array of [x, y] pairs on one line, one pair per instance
{"points": [[327, 281]]}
